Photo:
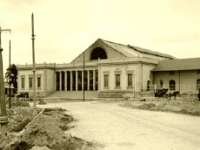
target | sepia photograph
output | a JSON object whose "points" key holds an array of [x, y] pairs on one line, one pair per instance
{"points": [[99, 75]]}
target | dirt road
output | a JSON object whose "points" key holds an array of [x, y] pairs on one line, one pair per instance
{"points": [[118, 128]]}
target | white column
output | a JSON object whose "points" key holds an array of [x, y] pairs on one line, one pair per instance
{"points": [[88, 80], [94, 80], [60, 81]]}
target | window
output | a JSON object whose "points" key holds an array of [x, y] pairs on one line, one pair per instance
{"points": [[161, 84], [172, 85], [30, 81], [130, 80], [98, 53], [106, 76], [198, 84], [117, 80], [22, 82], [148, 85], [39, 82]]}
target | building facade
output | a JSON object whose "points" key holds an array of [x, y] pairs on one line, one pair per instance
{"points": [[108, 69], [181, 75]]}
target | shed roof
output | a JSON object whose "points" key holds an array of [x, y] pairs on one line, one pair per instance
{"points": [[178, 64]]}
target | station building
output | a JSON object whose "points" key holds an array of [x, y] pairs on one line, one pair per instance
{"points": [[108, 69]]}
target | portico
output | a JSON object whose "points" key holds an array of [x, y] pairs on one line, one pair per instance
{"points": [[77, 80]]}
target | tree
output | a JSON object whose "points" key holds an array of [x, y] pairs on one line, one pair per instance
{"points": [[11, 76]]}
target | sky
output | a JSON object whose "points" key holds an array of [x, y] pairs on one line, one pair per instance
{"points": [[65, 28]]}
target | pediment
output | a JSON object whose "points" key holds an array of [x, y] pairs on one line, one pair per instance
{"points": [[99, 50]]}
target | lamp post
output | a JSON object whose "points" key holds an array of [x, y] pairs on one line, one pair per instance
{"points": [[3, 115]]}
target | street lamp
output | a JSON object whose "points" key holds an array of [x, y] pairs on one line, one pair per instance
{"points": [[3, 115]]}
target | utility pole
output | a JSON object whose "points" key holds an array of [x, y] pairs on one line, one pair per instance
{"points": [[9, 52], [33, 57], [3, 115], [9, 88]]}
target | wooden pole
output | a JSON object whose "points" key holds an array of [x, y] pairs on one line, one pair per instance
{"points": [[9, 88], [33, 57], [2, 89], [3, 115], [9, 52]]}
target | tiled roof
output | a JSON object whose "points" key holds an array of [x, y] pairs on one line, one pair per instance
{"points": [[130, 50], [178, 64]]}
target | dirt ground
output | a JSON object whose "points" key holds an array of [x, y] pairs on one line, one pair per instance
{"points": [[37, 129], [120, 128], [180, 105]]}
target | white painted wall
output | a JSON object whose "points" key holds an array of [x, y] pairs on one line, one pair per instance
{"points": [[123, 69], [47, 81], [147, 75], [51, 81], [187, 80], [26, 74]]}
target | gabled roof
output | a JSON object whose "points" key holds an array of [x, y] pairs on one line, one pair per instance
{"points": [[129, 50], [126, 51], [178, 64]]}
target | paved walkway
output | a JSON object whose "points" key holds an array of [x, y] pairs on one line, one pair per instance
{"points": [[119, 128]]}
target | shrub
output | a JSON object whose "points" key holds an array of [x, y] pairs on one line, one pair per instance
{"points": [[20, 103], [147, 106]]}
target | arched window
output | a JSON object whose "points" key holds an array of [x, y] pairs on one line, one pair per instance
{"points": [[148, 85], [172, 85], [161, 84], [198, 84], [98, 53]]}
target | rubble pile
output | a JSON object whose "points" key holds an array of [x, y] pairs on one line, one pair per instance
{"points": [[45, 131]]}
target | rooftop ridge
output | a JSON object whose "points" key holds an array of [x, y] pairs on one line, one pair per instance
{"points": [[141, 50], [114, 42]]}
